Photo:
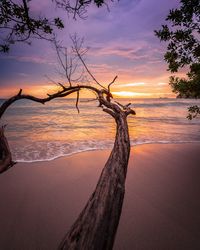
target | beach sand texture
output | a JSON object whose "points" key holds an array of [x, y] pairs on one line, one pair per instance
{"points": [[40, 201]]}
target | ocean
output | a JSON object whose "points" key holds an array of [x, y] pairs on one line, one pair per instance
{"points": [[38, 132]]}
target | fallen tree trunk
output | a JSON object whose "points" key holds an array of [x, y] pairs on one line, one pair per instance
{"points": [[96, 225], [5, 154]]}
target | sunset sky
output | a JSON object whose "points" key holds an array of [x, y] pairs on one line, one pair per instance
{"points": [[121, 42]]}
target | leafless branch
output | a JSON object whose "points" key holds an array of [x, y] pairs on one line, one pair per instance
{"points": [[69, 63], [56, 83], [122, 106], [126, 108], [77, 100], [109, 85], [77, 46], [61, 93], [110, 112], [130, 111], [78, 9], [20, 91]]}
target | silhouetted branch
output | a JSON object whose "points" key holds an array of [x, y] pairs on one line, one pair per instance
{"points": [[109, 85], [62, 93], [61, 85], [26, 10], [20, 25], [77, 46], [69, 64], [56, 83], [77, 100], [110, 112], [20, 91], [126, 108], [130, 112], [79, 7]]}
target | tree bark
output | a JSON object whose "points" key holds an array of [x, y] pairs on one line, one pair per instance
{"points": [[97, 224], [5, 154]]}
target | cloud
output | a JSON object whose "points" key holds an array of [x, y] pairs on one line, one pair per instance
{"points": [[23, 74], [139, 50], [38, 59], [33, 59], [122, 43], [162, 83], [133, 84]]}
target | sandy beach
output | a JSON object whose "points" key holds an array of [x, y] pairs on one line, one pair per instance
{"points": [[40, 201]]}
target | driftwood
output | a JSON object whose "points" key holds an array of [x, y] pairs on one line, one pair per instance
{"points": [[5, 154], [97, 224]]}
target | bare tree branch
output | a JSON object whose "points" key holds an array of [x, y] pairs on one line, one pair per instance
{"points": [[110, 112], [79, 8], [56, 83], [19, 24], [77, 100], [61, 93], [96, 226], [109, 85], [77, 46], [69, 64]]}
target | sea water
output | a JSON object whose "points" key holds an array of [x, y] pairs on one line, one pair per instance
{"points": [[37, 132]]}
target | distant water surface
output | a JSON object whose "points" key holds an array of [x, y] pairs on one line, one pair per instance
{"points": [[43, 132]]}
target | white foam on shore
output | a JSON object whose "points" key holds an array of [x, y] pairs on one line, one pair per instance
{"points": [[105, 147]]}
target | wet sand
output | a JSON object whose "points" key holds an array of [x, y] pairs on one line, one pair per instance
{"points": [[39, 201]]}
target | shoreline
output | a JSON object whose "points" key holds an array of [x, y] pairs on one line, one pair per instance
{"points": [[41, 200], [107, 149]]}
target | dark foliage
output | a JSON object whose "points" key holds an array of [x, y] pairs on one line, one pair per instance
{"points": [[194, 111], [79, 7], [18, 24], [183, 37], [190, 87]]}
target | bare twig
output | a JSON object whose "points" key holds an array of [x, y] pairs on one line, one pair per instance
{"points": [[56, 83], [20, 91], [77, 46], [61, 85], [126, 108], [69, 64], [109, 85], [79, 9], [77, 100]]}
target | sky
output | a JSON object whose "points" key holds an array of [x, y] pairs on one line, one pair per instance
{"points": [[120, 42]]}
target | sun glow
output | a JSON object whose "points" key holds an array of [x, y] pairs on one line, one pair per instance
{"points": [[130, 94], [132, 84]]}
